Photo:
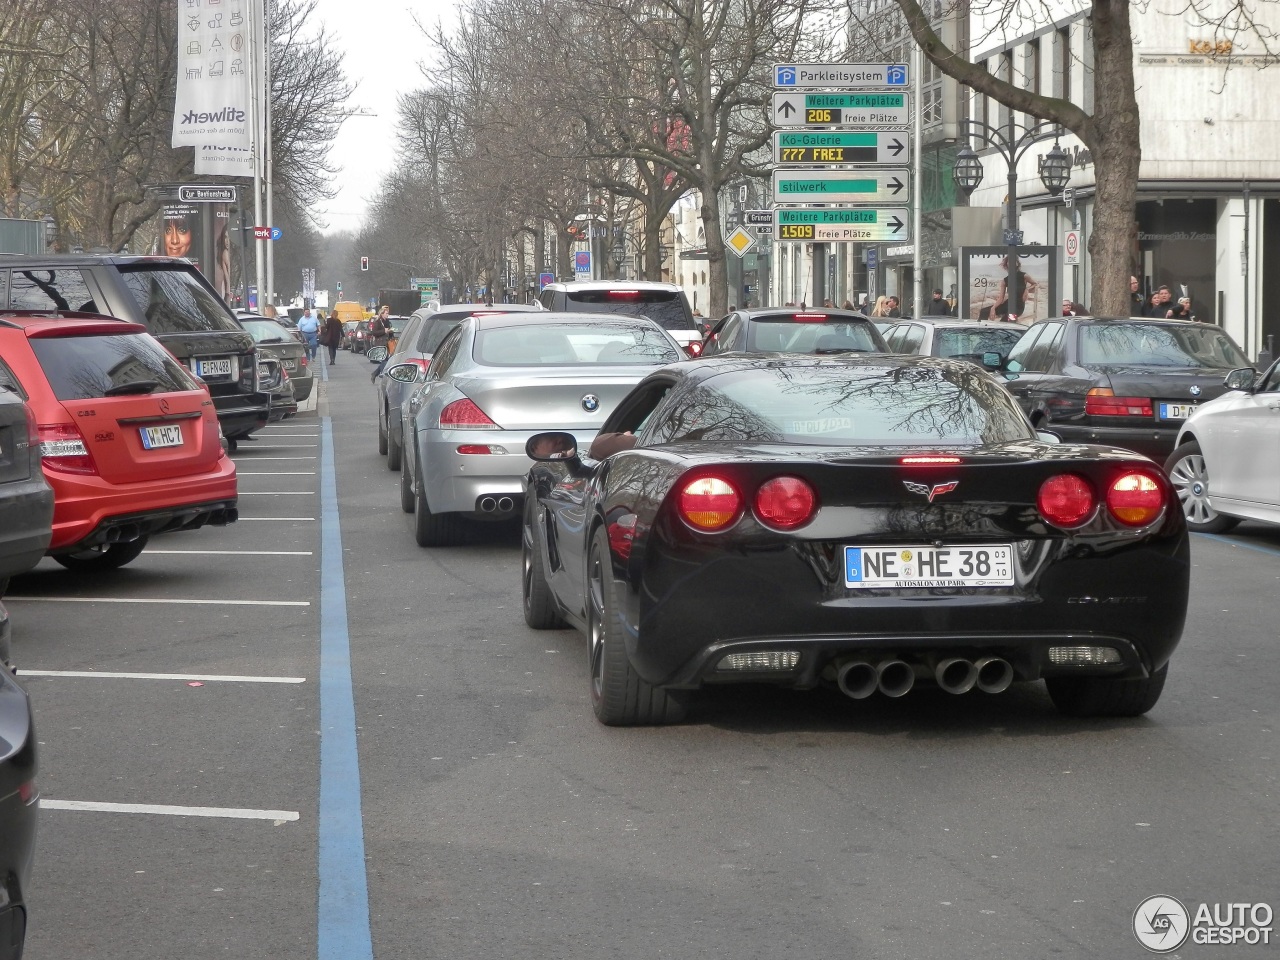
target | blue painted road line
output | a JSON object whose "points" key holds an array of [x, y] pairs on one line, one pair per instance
{"points": [[1240, 543], [343, 931]]}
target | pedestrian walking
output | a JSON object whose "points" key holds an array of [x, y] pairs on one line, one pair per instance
{"points": [[309, 327], [881, 309], [895, 308], [381, 326], [331, 336], [1137, 302]]}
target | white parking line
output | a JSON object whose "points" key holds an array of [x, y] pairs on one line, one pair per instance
{"points": [[204, 678], [281, 446], [239, 553], [228, 603], [235, 813], [274, 435], [281, 458], [252, 519], [276, 493], [275, 473]]}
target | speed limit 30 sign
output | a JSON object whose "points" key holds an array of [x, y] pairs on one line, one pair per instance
{"points": [[1071, 245]]}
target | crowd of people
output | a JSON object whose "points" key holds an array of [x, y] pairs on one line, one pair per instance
{"points": [[1160, 305]]}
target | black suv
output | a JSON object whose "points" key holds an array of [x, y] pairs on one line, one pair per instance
{"points": [[175, 303]]}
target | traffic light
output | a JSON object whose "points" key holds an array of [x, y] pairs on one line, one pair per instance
{"points": [[364, 263]]}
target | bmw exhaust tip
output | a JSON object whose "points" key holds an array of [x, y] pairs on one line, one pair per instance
{"points": [[995, 674], [857, 679], [956, 675], [488, 504], [505, 504], [896, 678]]}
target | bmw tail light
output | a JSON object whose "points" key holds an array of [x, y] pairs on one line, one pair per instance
{"points": [[1065, 500], [465, 415], [1135, 499], [1103, 402], [785, 503], [710, 503], [62, 448]]}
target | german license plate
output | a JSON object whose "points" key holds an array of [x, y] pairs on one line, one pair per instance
{"points": [[290, 365], [168, 436], [985, 565], [213, 368], [1176, 411]]}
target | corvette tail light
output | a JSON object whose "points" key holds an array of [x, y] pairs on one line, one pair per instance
{"points": [[62, 448], [465, 415], [1065, 500], [785, 503], [1135, 499], [1102, 402], [709, 503]]}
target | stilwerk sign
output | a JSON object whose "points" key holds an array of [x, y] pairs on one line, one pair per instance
{"points": [[211, 107]]}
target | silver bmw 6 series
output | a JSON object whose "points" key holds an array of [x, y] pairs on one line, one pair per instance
{"points": [[494, 382]]}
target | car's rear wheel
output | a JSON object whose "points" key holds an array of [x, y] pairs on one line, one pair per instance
{"points": [[540, 610], [619, 696], [109, 556], [1190, 476], [432, 529], [1105, 696], [406, 487], [382, 430]]}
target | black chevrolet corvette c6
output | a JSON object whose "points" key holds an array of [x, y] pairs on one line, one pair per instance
{"points": [[868, 522]]}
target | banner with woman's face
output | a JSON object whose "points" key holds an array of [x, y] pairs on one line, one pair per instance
{"points": [[984, 273], [181, 228]]}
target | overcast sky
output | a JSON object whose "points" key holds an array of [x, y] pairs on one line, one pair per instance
{"points": [[381, 47]]}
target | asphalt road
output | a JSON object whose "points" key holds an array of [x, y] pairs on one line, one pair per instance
{"points": [[499, 820]]}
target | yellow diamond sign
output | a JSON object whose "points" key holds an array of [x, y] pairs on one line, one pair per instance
{"points": [[740, 242]]}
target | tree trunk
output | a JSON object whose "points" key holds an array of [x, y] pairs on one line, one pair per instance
{"points": [[1116, 158], [717, 277]]}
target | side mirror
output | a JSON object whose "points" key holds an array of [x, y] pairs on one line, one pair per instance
{"points": [[549, 447], [377, 354], [992, 361], [404, 372], [1048, 436], [1241, 379]]}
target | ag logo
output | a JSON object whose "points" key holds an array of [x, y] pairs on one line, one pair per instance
{"points": [[1161, 924]]}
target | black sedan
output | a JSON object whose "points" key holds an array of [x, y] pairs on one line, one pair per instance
{"points": [[1127, 382], [864, 522], [18, 806], [787, 330]]}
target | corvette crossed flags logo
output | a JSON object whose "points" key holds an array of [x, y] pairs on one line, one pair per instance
{"points": [[925, 490]]}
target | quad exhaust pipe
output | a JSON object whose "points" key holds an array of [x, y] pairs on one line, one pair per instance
{"points": [[496, 504], [505, 504], [858, 679]]}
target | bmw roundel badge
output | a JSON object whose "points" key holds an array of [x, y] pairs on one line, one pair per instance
{"points": [[1195, 390], [591, 403]]}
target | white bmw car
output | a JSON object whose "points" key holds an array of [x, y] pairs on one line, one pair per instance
{"points": [[1226, 462]]}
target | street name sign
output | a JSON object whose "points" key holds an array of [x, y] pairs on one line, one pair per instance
{"points": [[839, 146], [844, 185], [758, 223], [868, 225], [207, 194], [840, 76], [841, 109]]}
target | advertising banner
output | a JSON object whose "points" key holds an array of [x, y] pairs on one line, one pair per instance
{"points": [[224, 161], [212, 103], [984, 275], [183, 225]]}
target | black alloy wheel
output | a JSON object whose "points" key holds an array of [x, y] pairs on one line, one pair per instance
{"points": [[540, 610], [1106, 696], [618, 696], [108, 556]]}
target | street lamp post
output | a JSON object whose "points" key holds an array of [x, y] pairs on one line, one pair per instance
{"points": [[1055, 171]]}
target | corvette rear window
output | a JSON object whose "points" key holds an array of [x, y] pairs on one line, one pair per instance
{"points": [[87, 368], [869, 405]]}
